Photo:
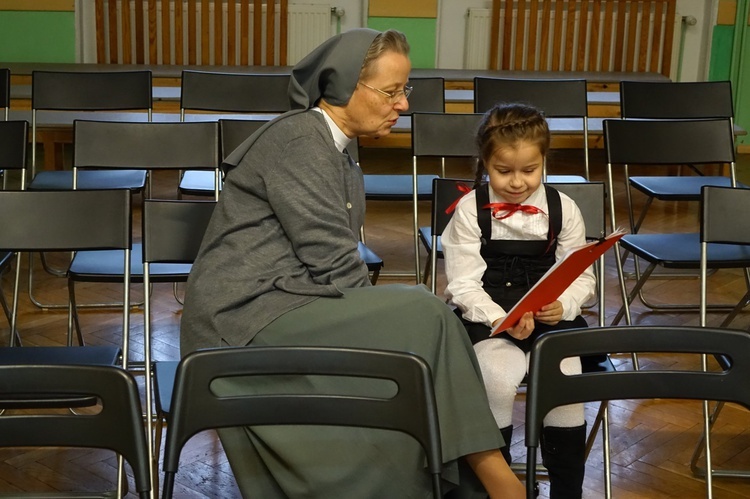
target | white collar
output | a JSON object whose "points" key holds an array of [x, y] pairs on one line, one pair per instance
{"points": [[339, 138]]}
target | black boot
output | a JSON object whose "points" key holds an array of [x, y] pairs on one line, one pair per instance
{"points": [[507, 434], [563, 454]]}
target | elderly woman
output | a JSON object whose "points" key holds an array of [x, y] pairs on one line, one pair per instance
{"points": [[279, 266]]}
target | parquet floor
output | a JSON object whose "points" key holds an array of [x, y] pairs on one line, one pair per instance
{"points": [[651, 441]]}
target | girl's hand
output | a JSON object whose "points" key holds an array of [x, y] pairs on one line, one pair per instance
{"points": [[524, 328], [550, 314]]}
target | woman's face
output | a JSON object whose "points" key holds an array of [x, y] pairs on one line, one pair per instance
{"points": [[516, 171], [369, 112]]}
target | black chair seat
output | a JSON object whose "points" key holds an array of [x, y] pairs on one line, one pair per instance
{"points": [[395, 187], [682, 251], [106, 266], [198, 183], [88, 355], [164, 376], [374, 262], [134, 180], [673, 188], [565, 179], [425, 235]]}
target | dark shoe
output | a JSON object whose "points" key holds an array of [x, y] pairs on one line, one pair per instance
{"points": [[564, 456]]}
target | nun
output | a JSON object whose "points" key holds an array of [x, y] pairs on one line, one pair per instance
{"points": [[279, 266]]}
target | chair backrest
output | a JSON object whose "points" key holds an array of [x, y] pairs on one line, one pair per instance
{"points": [[67, 221], [5, 91], [110, 144], [445, 194], [117, 426], [668, 141], [234, 92], [557, 98], [234, 132], [721, 216], [88, 91], [550, 388], [427, 96], [173, 230], [676, 100], [14, 137], [444, 134], [91, 91], [590, 198], [195, 407]]}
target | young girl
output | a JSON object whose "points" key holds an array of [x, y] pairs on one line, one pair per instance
{"points": [[503, 236]]}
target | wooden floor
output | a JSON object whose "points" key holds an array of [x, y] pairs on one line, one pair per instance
{"points": [[651, 441]]}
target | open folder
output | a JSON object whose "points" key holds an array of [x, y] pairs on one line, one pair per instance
{"points": [[558, 278]]}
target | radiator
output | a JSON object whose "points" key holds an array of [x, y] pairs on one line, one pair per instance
{"points": [[196, 41], [574, 35]]}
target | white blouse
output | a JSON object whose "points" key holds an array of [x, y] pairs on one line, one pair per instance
{"points": [[464, 265]]}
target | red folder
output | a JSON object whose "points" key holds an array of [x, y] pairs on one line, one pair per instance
{"points": [[557, 279]]}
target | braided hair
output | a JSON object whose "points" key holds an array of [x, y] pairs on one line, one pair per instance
{"points": [[504, 126]]}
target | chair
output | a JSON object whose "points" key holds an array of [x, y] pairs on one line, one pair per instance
{"points": [[63, 221], [195, 407], [721, 230], [675, 100], [445, 193], [119, 403], [168, 146], [14, 137], [172, 232], [556, 98], [228, 93], [428, 96], [549, 387], [234, 132], [59, 91], [439, 135], [652, 143], [89, 91]]}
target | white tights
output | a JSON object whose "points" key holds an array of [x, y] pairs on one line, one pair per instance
{"points": [[504, 366]]}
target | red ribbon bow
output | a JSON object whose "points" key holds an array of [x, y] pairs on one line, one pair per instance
{"points": [[510, 209], [464, 189]]}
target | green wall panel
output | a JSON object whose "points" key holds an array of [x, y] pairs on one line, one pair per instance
{"points": [[420, 33], [37, 36], [721, 53]]}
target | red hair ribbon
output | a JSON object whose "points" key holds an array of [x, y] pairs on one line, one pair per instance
{"points": [[464, 189], [510, 209]]}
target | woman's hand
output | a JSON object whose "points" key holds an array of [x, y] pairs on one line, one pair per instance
{"points": [[550, 314], [523, 328]]}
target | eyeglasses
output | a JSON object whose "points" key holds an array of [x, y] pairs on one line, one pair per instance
{"points": [[393, 97]]}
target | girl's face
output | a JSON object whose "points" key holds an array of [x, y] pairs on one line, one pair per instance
{"points": [[515, 171]]}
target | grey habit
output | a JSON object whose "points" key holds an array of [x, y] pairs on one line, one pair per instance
{"points": [[279, 266]]}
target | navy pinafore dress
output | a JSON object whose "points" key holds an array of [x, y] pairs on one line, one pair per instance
{"points": [[514, 266]]}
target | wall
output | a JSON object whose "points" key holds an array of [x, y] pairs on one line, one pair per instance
{"points": [[38, 31], [47, 36], [730, 58]]}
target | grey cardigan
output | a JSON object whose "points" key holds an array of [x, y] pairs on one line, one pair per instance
{"points": [[284, 232]]}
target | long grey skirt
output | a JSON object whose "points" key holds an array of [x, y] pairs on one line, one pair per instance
{"points": [[333, 462]]}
